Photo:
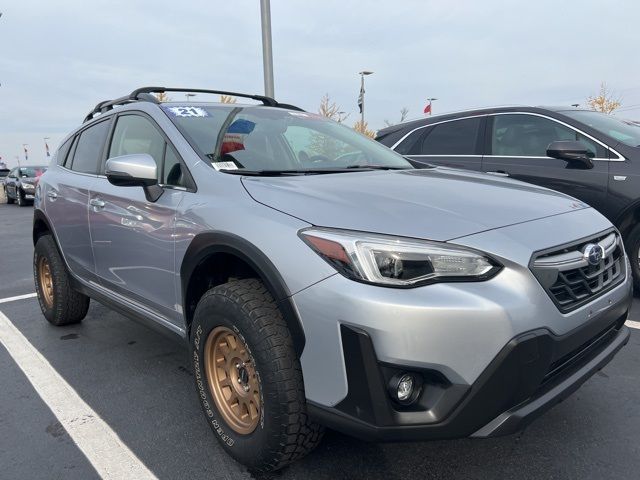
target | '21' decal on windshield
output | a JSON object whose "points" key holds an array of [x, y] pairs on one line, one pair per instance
{"points": [[186, 111]]}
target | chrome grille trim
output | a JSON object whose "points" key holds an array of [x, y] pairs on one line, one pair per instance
{"points": [[570, 280], [575, 259]]}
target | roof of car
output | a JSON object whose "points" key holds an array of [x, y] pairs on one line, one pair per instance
{"points": [[470, 113]]}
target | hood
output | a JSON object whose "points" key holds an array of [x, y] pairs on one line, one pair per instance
{"points": [[437, 203]]}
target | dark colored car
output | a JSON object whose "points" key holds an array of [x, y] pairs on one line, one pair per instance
{"points": [[590, 155], [20, 184]]}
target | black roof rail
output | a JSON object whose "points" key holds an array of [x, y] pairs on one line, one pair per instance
{"points": [[145, 94]]}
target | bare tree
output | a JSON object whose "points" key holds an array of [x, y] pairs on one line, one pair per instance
{"points": [[228, 99], [162, 97], [404, 111], [331, 109], [605, 101]]}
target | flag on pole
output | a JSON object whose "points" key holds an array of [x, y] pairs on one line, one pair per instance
{"points": [[46, 147], [361, 97], [427, 109], [26, 153]]}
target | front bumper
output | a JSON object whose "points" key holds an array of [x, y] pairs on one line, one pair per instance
{"points": [[533, 372]]}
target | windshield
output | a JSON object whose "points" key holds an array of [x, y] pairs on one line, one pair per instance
{"points": [[270, 140], [32, 171], [624, 131]]}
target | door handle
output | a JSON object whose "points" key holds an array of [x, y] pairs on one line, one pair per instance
{"points": [[52, 194], [97, 203], [498, 173]]}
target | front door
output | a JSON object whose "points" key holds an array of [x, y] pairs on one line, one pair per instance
{"points": [[517, 147], [133, 238]]}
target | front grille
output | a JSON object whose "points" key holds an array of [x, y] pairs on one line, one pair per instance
{"points": [[570, 280]]}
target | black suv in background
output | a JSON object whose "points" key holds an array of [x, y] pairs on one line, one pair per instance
{"points": [[20, 184], [592, 156]]}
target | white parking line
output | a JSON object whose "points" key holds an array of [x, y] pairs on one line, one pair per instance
{"points": [[19, 297], [632, 324], [110, 457]]}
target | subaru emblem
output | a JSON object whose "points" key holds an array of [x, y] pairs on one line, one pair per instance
{"points": [[593, 253]]}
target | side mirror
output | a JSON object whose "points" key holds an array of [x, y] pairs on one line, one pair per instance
{"points": [[574, 153], [136, 170]]}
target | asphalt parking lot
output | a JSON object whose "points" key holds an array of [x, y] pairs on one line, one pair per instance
{"points": [[140, 384]]}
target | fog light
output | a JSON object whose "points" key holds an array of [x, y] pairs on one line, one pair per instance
{"points": [[404, 390]]}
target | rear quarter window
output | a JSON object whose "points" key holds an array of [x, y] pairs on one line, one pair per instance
{"points": [[408, 145], [63, 152]]}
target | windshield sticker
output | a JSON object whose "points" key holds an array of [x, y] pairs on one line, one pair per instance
{"points": [[224, 165], [186, 111]]}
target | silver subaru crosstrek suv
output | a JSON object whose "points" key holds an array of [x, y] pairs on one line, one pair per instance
{"points": [[321, 280]]}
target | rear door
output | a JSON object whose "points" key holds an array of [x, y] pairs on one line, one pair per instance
{"points": [[133, 238], [67, 197], [516, 146], [452, 143]]}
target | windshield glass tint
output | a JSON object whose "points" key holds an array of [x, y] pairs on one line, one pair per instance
{"points": [[32, 171], [622, 130], [263, 138]]}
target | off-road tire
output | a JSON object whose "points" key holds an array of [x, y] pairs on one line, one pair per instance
{"points": [[632, 246], [68, 306], [284, 433]]}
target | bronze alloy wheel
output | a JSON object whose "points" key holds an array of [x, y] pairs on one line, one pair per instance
{"points": [[232, 380], [45, 280]]}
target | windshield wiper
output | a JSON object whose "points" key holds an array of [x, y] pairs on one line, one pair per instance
{"points": [[275, 173], [311, 171], [377, 167], [263, 173]]}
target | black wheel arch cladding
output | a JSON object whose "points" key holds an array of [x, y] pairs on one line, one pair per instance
{"points": [[210, 243]]}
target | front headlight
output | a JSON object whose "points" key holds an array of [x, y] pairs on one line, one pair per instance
{"points": [[397, 261], [28, 186]]}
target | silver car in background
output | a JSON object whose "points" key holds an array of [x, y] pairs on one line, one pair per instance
{"points": [[320, 280]]}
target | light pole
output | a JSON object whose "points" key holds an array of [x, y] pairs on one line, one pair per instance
{"points": [[431, 100], [575, 105], [26, 152], [361, 97], [189, 95], [267, 52], [46, 146]]}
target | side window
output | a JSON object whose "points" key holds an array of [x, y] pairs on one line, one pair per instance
{"points": [[406, 147], [458, 137], [136, 134], [63, 151], [530, 135], [89, 148], [172, 171]]}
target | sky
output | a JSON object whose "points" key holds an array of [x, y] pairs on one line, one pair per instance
{"points": [[59, 58]]}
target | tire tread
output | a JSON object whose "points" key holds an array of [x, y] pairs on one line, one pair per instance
{"points": [[69, 306], [302, 433]]}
